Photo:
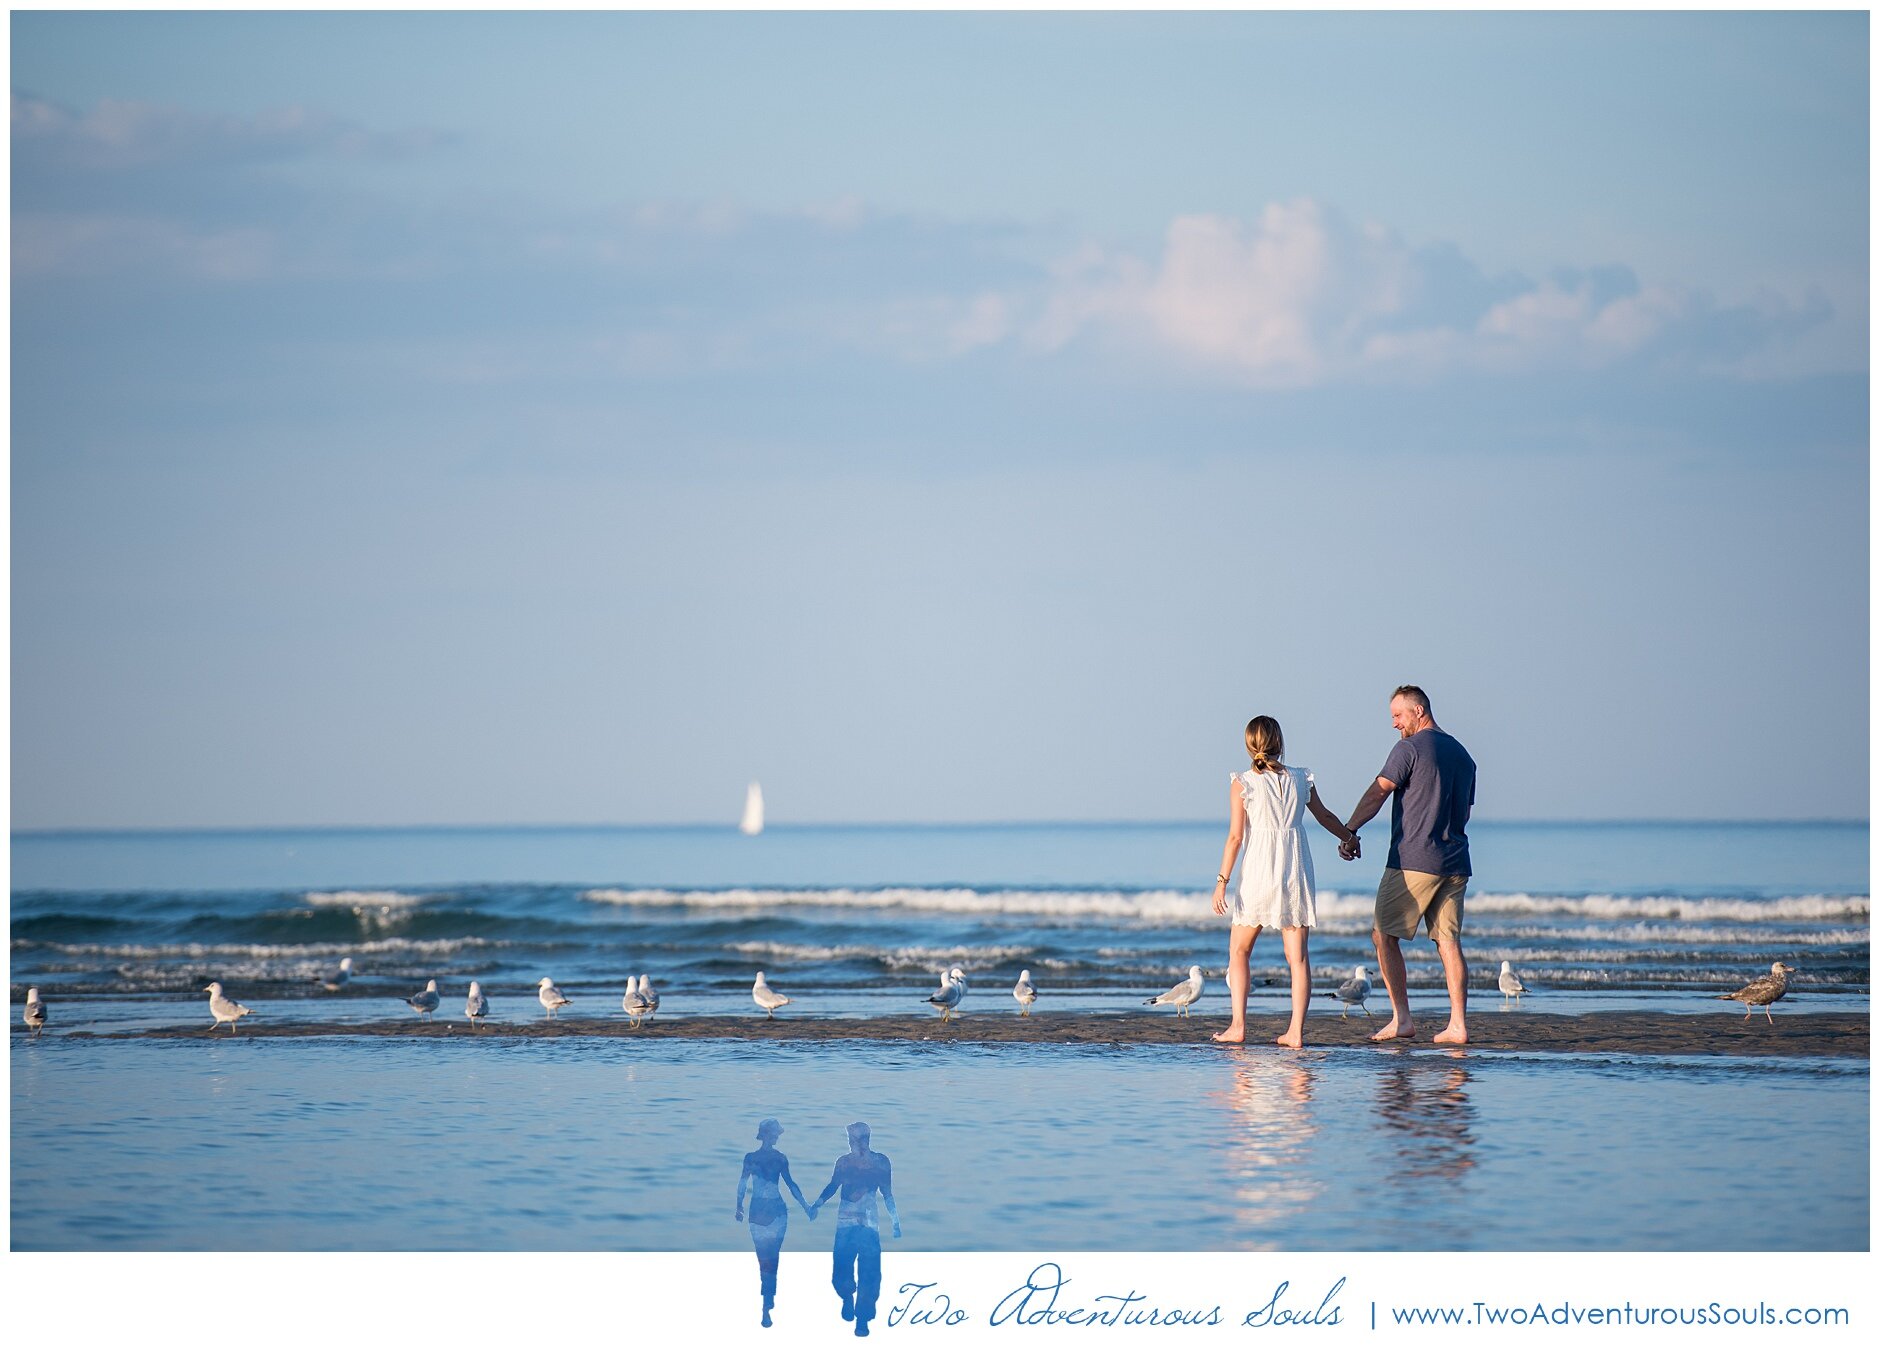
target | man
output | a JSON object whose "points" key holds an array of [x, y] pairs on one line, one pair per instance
{"points": [[1430, 778], [859, 1174]]}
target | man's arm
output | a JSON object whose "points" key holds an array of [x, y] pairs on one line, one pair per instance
{"points": [[887, 1193], [835, 1181], [1372, 801]]}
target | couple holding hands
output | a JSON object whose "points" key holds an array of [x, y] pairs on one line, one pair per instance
{"points": [[1430, 779]]}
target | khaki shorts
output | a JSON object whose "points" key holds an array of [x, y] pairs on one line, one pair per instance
{"points": [[1407, 897]]}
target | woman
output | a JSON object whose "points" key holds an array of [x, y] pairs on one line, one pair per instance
{"points": [[770, 1213], [1267, 805]]}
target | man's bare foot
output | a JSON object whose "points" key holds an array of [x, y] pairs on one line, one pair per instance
{"points": [[1453, 1034], [1395, 1030], [1292, 1040], [1233, 1035]]}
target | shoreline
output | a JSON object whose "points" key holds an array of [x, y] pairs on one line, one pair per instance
{"points": [[1723, 1035]]}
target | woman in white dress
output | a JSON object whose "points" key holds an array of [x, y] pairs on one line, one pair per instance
{"points": [[1267, 817]]}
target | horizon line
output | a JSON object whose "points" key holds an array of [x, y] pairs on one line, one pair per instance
{"points": [[202, 830]]}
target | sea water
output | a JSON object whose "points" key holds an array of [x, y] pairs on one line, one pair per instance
{"points": [[583, 1144], [394, 1142]]}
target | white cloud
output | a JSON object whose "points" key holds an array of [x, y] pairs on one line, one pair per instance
{"points": [[116, 135], [1302, 297], [1298, 297], [52, 244]]}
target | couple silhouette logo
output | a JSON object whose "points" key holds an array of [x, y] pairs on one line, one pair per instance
{"points": [[858, 1177]]}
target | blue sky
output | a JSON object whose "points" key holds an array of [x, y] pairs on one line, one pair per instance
{"points": [[434, 418]]}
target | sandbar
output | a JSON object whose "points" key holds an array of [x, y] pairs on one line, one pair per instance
{"points": [[1726, 1034]]}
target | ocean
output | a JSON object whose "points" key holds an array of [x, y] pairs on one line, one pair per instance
{"points": [[121, 931]]}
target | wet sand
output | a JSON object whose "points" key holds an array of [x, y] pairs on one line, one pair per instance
{"points": [[1726, 1034]]}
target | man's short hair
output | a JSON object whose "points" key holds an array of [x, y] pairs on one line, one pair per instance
{"points": [[859, 1131], [1415, 695]]}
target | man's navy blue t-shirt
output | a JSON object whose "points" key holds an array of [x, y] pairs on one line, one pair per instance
{"points": [[1435, 779]]}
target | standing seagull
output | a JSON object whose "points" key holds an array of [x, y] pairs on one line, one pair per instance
{"points": [[1763, 992], [424, 1003], [648, 992], [635, 1003], [224, 1008], [1024, 992], [1353, 992], [337, 980], [476, 1005], [767, 997], [35, 1013], [1510, 983], [948, 995], [1183, 995], [551, 997]]}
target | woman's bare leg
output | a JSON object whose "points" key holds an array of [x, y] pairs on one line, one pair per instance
{"points": [[1239, 946], [1299, 962]]}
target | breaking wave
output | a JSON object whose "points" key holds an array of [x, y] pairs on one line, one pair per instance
{"points": [[1162, 905]]}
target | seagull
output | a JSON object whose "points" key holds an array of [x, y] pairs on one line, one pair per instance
{"points": [[947, 996], [1353, 992], [224, 1008], [1024, 992], [958, 976], [648, 992], [476, 1005], [1763, 992], [337, 980], [1183, 995], [424, 1003], [35, 1012], [766, 997], [635, 1003], [551, 997], [1511, 985]]}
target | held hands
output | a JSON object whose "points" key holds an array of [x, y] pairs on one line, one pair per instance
{"points": [[812, 1210], [1350, 849]]}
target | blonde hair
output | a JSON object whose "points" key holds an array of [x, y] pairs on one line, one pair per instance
{"points": [[1265, 743]]}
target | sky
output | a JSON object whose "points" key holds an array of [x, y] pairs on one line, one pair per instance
{"points": [[498, 418]]}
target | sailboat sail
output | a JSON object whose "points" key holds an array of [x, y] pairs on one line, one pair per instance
{"points": [[753, 821]]}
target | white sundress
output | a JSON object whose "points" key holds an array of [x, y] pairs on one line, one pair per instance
{"points": [[1276, 866]]}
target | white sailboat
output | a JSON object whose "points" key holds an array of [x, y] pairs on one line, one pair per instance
{"points": [[753, 821]]}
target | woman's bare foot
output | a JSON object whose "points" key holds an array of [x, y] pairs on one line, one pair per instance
{"points": [[1233, 1035], [1292, 1040], [1395, 1030], [1453, 1034]]}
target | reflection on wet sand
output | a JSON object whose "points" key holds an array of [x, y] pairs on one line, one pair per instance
{"points": [[1428, 1119], [1270, 1134]]}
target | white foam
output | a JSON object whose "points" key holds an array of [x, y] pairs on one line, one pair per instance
{"points": [[1795, 908], [315, 953], [927, 959], [366, 898], [1162, 905], [1674, 932]]}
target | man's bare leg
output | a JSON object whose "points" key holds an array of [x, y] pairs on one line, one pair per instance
{"points": [[1239, 946], [1456, 975], [1390, 965], [1300, 966]]}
